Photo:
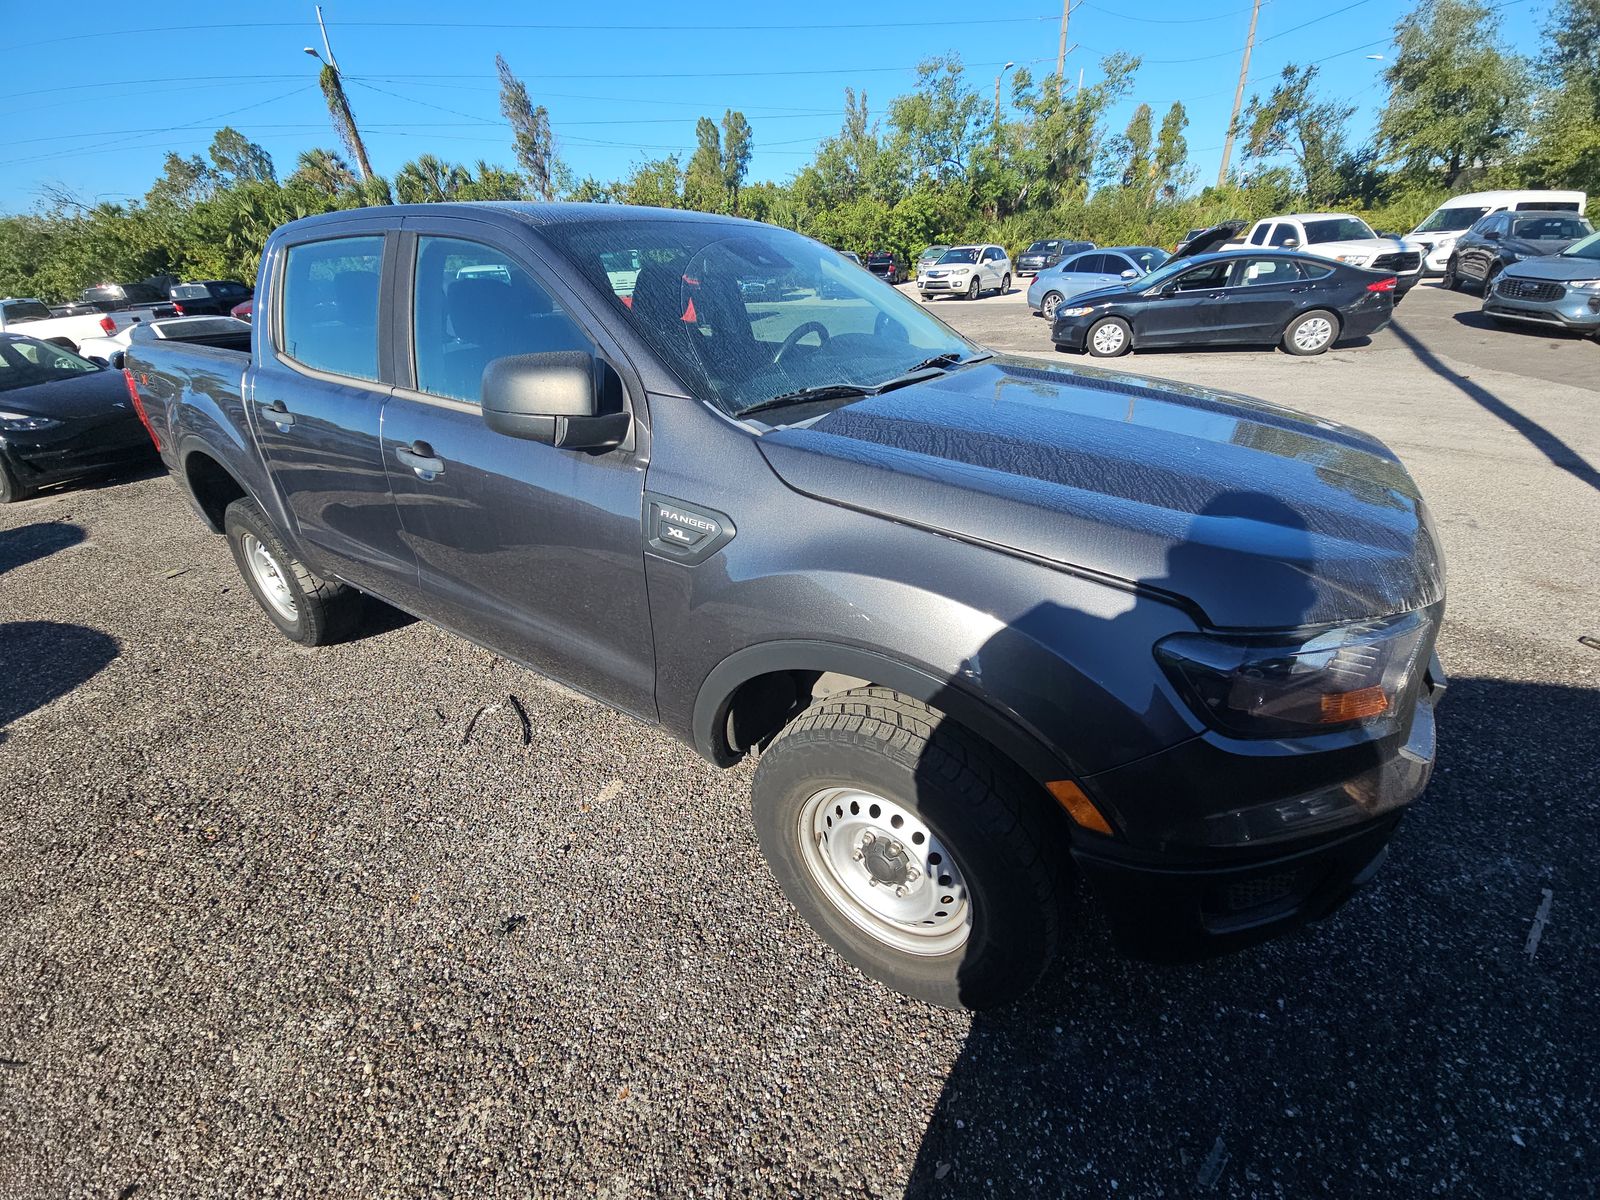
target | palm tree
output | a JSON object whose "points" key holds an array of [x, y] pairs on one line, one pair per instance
{"points": [[325, 171], [427, 178]]}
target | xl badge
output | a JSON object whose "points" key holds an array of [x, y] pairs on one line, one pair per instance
{"points": [[684, 532]]}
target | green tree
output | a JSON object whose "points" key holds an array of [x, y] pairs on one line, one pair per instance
{"points": [[236, 159], [1138, 168], [1458, 96], [1173, 174], [737, 145], [324, 170], [658, 182], [530, 133], [940, 122], [1564, 148], [430, 179], [703, 186], [1291, 122]]}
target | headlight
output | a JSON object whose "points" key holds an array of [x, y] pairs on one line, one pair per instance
{"points": [[1315, 681], [23, 423], [1081, 311], [1355, 260], [1586, 285]]}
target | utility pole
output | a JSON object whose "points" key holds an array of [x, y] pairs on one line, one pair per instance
{"points": [[344, 121], [1061, 50], [326, 47], [1238, 94]]}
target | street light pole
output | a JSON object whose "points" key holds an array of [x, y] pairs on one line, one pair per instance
{"points": [[344, 120], [997, 80], [1238, 95]]}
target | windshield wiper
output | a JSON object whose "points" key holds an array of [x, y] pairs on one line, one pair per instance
{"points": [[950, 358], [827, 391]]}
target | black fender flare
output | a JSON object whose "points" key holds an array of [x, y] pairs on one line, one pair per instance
{"points": [[972, 710]]}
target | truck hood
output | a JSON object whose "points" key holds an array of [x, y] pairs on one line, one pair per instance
{"points": [[1378, 245], [1258, 516]]}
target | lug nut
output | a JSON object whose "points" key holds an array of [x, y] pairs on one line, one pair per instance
{"points": [[895, 847], [899, 890], [868, 838], [858, 855]]}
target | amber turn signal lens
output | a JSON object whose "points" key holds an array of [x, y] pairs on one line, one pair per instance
{"points": [[1338, 707], [1079, 807]]}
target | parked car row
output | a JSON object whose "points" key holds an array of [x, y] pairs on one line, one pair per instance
{"points": [[108, 309]]}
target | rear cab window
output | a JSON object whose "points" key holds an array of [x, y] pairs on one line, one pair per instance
{"points": [[330, 305], [1258, 235]]}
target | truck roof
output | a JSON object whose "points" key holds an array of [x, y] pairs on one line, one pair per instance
{"points": [[519, 212]]}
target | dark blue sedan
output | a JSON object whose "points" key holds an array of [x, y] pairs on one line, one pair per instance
{"points": [[1236, 297]]}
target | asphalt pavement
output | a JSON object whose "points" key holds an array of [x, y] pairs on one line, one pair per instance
{"points": [[397, 918]]}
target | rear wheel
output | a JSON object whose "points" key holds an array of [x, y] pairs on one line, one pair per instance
{"points": [[305, 607], [912, 848], [1311, 333], [1109, 338], [1051, 302]]}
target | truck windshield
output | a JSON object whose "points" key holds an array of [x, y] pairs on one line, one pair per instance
{"points": [[744, 313], [1337, 229]]}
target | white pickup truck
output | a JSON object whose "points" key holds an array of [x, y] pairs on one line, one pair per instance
{"points": [[1341, 237], [32, 318]]}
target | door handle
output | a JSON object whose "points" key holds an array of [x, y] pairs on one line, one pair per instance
{"points": [[278, 414], [419, 456]]}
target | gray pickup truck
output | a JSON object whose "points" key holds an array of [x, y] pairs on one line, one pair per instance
{"points": [[991, 625]]}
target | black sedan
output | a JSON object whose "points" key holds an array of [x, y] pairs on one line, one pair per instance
{"points": [[1500, 239], [62, 417], [1236, 297]]}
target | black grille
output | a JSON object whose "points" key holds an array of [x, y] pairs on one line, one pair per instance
{"points": [[1530, 289], [1405, 260]]}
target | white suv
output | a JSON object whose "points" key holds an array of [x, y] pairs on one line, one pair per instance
{"points": [[967, 271], [1344, 238]]}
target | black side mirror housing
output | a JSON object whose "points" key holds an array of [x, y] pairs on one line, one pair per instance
{"points": [[118, 360], [1170, 289], [1492, 234], [550, 398]]}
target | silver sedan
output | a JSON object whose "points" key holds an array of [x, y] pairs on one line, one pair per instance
{"points": [[1089, 270]]}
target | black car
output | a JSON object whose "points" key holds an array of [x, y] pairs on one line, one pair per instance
{"points": [[61, 417], [1503, 238], [1305, 304], [1041, 256], [209, 297], [887, 265]]}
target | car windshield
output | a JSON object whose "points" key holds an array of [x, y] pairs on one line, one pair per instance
{"points": [[1148, 257], [1588, 248], [933, 251], [1451, 220], [1043, 248], [961, 254], [1550, 229], [27, 363], [827, 324], [1337, 229]]}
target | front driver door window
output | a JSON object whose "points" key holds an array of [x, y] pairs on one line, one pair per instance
{"points": [[1194, 305], [533, 551]]}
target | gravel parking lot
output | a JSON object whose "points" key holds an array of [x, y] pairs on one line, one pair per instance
{"points": [[399, 918]]}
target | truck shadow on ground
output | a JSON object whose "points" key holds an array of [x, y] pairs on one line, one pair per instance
{"points": [[1552, 447], [41, 661], [1411, 1044], [29, 543]]}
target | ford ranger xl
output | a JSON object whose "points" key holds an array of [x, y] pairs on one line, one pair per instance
{"points": [[989, 625]]}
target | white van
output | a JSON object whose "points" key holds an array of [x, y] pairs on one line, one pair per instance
{"points": [[1458, 214]]}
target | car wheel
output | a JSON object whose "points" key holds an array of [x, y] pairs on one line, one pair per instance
{"points": [[1487, 285], [1051, 302], [1311, 333], [974, 290], [1109, 338], [1005, 285], [12, 489], [1451, 279], [927, 297], [912, 848], [305, 607]]}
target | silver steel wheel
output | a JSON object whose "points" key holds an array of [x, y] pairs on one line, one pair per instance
{"points": [[1048, 308], [1313, 334], [883, 869], [1108, 338], [269, 576]]}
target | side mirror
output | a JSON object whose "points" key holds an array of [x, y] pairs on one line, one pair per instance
{"points": [[118, 360], [550, 398], [1130, 273], [1492, 234], [1169, 290], [1289, 243]]}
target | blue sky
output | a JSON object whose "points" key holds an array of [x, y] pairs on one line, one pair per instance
{"points": [[94, 111]]}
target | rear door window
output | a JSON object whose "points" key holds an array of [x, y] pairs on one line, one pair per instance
{"points": [[472, 304], [330, 305]]}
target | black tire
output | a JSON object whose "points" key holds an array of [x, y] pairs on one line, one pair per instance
{"points": [[974, 289], [1048, 306], [1486, 285], [324, 610], [1108, 348], [927, 297], [990, 818], [1306, 349], [1451, 279], [1005, 285], [12, 489]]}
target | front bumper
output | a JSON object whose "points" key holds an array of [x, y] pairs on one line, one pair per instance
{"points": [[1295, 850], [1069, 333], [56, 459], [1575, 309], [944, 284]]}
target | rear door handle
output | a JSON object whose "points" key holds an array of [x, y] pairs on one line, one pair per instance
{"points": [[278, 414], [419, 456]]}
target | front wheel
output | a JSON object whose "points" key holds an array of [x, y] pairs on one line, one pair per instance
{"points": [[1005, 285], [912, 848], [973, 289], [12, 489], [1109, 338], [1052, 301], [1311, 333], [1487, 285], [1451, 279], [305, 607]]}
